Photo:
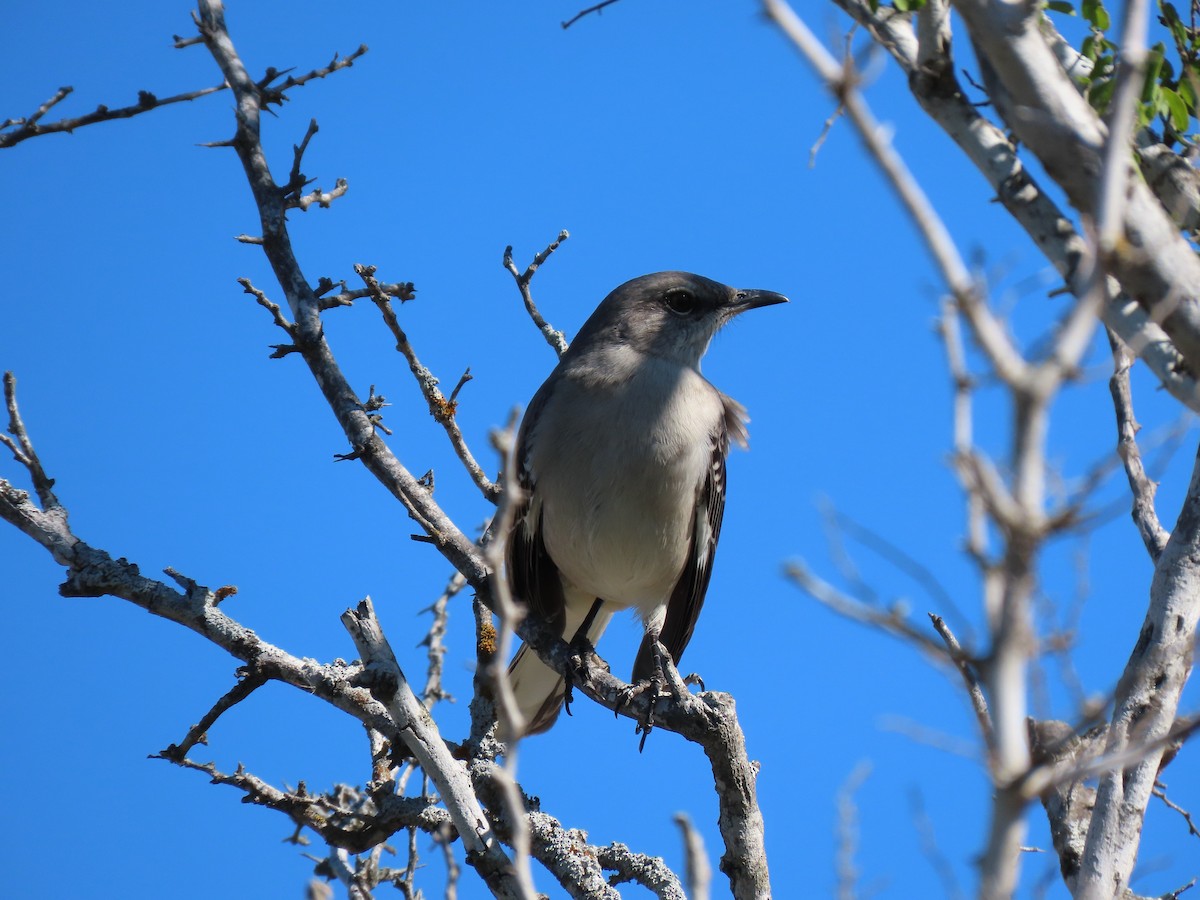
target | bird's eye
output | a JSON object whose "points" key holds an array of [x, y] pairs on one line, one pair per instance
{"points": [[680, 302]]}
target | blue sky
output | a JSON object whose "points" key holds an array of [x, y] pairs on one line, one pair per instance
{"points": [[662, 135]]}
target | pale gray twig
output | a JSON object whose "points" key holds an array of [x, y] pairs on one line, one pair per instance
{"points": [[556, 339], [442, 409], [847, 832], [696, 867], [1154, 536]]}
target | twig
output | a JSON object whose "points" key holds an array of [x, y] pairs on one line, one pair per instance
{"points": [[555, 339], [440, 408], [696, 867], [597, 9], [420, 736], [1154, 536], [434, 642], [929, 846], [1104, 760], [323, 199], [343, 818], [847, 832], [32, 127], [902, 560], [401, 290], [305, 306], [292, 198], [276, 312], [249, 681], [977, 532], [511, 722], [966, 668], [24, 452], [1160, 791], [893, 620]]}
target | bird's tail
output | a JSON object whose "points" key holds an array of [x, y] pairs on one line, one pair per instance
{"points": [[538, 688]]}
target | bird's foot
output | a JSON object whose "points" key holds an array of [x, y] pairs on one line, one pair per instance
{"points": [[653, 685], [694, 678], [583, 655]]}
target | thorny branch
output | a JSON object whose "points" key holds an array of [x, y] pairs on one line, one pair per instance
{"points": [[32, 125]]}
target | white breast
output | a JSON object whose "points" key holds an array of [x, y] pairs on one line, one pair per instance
{"points": [[618, 490]]}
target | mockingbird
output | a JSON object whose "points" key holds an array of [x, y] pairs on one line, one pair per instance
{"points": [[621, 457]]}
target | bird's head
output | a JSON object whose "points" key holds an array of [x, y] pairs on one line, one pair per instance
{"points": [[671, 315]]}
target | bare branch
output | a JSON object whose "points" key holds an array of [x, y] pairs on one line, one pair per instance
{"points": [[966, 667], [1146, 704], [401, 290], [1038, 100], [597, 9], [31, 126], [1160, 791], [434, 642], [417, 730], [555, 339], [699, 872], [343, 818], [893, 620], [24, 453], [932, 81], [840, 80], [305, 305], [495, 671], [1154, 536], [440, 408], [930, 848], [847, 832], [273, 308], [248, 682]]}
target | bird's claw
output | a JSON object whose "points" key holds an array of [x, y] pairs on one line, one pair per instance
{"points": [[582, 654], [652, 685]]}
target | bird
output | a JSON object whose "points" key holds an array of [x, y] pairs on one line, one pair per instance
{"points": [[620, 460]]}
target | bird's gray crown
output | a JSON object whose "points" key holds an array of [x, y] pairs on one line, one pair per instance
{"points": [[672, 315]]}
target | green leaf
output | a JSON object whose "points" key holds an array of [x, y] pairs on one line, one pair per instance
{"points": [[1188, 93], [1060, 6], [1178, 110], [1099, 95], [908, 5], [1145, 115], [1154, 64], [1096, 14]]}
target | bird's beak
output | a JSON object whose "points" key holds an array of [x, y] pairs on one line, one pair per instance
{"points": [[744, 300]]}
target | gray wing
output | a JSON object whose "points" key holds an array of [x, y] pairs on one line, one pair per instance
{"points": [[533, 576], [683, 609]]}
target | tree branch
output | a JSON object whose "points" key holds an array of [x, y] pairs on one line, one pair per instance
{"points": [[305, 306], [440, 408], [555, 339]]}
